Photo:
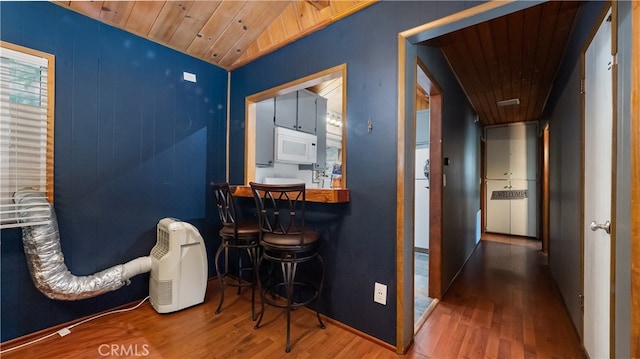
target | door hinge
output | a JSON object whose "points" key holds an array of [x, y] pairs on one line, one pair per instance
{"points": [[582, 86], [581, 297]]}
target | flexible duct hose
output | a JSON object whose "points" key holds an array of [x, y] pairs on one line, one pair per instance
{"points": [[46, 261]]}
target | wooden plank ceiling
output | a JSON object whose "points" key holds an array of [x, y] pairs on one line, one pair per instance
{"points": [[226, 33], [512, 57]]}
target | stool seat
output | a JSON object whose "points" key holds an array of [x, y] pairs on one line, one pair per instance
{"points": [[286, 241], [244, 229]]}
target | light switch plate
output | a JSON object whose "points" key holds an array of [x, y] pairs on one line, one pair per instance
{"points": [[187, 76]]}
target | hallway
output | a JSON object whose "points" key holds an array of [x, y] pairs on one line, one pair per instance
{"points": [[503, 304]]}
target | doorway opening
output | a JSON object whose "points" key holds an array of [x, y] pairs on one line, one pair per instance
{"points": [[427, 195], [421, 299]]}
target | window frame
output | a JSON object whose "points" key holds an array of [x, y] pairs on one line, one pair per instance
{"points": [[49, 169]]}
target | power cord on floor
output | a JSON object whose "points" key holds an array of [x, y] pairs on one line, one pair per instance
{"points": [[67, 330]]}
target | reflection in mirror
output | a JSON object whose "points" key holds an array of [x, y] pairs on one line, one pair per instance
{"points": [[295, 132]]}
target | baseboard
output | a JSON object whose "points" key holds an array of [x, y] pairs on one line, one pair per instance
{"points": [[12, 343], [423, 318], [464, 264], [357, 332]]}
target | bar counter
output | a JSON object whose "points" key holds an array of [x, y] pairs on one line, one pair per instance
{"points": [[321, 195]]}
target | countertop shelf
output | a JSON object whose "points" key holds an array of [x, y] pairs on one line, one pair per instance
{"points": [[322, 195]]}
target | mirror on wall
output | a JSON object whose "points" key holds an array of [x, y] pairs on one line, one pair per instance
{"points": [[296, 132]]}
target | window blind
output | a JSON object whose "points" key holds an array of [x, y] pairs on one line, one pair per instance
{"points": [[23, 131]]}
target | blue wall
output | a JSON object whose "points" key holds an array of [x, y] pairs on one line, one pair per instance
{"points": [[359, 238], [134, 143]]}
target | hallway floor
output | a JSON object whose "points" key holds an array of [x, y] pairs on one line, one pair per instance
{"points": [[503, 304]]}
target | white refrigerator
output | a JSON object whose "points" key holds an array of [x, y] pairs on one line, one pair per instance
{"points": [[421, 203]]}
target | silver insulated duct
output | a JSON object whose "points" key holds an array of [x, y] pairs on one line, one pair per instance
{"points": [[46, 261]]}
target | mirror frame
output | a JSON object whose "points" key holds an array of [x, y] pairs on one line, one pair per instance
{"points": [[299, 84]]}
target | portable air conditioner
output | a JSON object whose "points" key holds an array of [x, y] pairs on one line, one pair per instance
{"points": [[178, 267]]}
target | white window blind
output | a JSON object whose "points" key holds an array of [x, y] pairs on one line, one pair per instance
{"points": [[24, 105]]}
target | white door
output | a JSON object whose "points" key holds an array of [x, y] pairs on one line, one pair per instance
{"points": [[597, 193]]}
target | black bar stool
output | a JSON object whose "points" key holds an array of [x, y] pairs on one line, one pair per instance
{"points": [[285, 241], [239, 235]]}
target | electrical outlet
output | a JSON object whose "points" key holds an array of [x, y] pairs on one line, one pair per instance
{"points": [[380, 293]]}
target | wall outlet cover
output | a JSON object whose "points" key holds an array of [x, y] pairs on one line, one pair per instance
{"points": [[380, 293]]}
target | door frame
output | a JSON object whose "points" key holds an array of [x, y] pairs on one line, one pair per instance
{"points": [[407, 42], [635, 178], [614, 99]]}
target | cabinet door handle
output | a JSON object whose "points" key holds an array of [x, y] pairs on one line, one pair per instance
{"points": [[506, 173]]}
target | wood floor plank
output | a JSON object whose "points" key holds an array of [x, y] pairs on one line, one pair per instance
{"points": [[503, 304]]}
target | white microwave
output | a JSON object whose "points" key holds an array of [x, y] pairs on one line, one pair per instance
{"points": [[294, 146]]}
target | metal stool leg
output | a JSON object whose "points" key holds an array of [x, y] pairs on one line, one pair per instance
{"points": [[261, 291], [320, 289], [253, 258], [220, 276], [289, 274]]}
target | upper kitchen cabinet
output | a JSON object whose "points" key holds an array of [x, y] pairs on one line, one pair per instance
{"points": [[512, 151], [422, 129], [287, 110], [298, 111], [265, 112], [307, 111]]}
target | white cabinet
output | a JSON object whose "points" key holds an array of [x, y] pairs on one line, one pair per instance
{"points": [[498, 152], [297, 111], [422, 129], [498, 211], [512, 207], [286, 111], [264, 132], [511, 180], [307, 120], [512, 151], [524, 215]]}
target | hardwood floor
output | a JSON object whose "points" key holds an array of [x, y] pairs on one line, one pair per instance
{"points": [[502, 305]]}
